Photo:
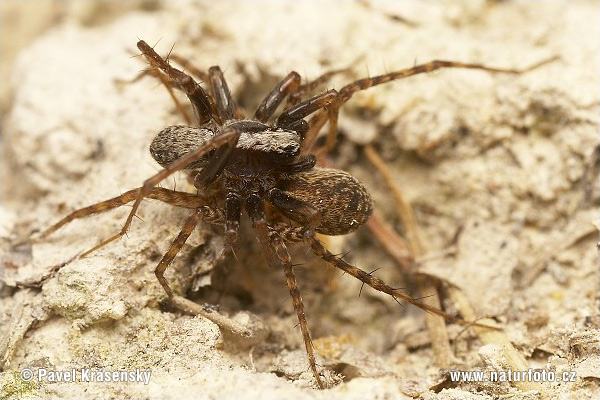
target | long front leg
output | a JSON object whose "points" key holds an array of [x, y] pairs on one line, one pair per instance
{"points": [[308, 87], [179, 199], [228, 138], [299, 111], [346, 92]]}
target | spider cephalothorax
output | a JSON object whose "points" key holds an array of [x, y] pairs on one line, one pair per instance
{"points": [[264, 165]]}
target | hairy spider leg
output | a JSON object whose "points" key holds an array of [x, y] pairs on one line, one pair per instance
{"points": [[295, 113], [188, 66], [289, 86], [155, 73], [221, 94], [205, 213], [283, 255], [347, 91], [376, 283], [229, 137], [296, 96], [267, 107], [308, 216], [186, 231], [178, 199], [200, 100], [294, 234], [198, 73]]}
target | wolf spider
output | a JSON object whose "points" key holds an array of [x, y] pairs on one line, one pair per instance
{"points": [[264, 165]]}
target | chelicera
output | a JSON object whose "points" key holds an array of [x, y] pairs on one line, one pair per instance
{"points": [[265, 165]]}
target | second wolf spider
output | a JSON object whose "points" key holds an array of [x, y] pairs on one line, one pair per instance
{"points": [[264, 165]]}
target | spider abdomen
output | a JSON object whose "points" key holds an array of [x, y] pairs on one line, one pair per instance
{"points": [[175, 141], [344, 203]]}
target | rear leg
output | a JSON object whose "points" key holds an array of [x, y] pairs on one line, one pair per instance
{"points": [[273, 245], [310, 237], [290, 277]]}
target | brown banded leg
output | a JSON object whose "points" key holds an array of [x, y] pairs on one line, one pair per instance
{"points": [[296, 96], [290, 278], [198, 73], [175, 78], [267, 107], [186, 231], [228, 137], [188, 66], [158, 75], [299, 111], [346, 92], [155, 73], [272, 243], [179, 199], [374, 282]]}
